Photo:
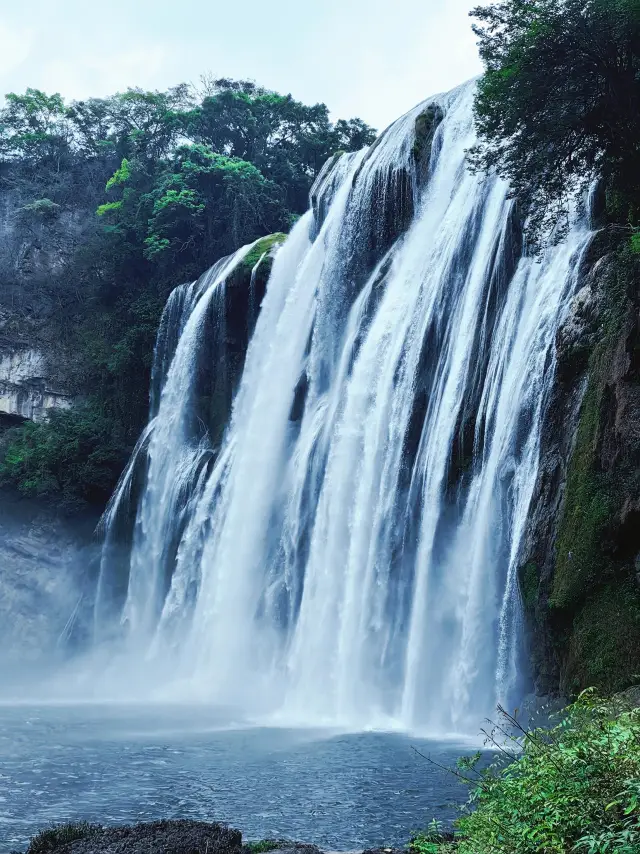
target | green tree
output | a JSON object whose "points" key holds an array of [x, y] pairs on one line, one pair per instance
{"points": [[287, 140], [197, 207], [73, 453], [148, 124], [33, 128], [559, 103], [208, 202], [178, 179]]}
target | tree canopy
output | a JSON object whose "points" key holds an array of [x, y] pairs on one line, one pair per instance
{"points": [[559, 103], [148, 189], [206, 169]]}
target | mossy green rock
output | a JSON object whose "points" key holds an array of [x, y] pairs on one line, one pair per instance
{"points": [[264, 248], [579, 576], [426, 126]]}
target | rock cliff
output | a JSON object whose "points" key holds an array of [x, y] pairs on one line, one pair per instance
{"points": [[37, 242], [580, 575], [46, 571]]}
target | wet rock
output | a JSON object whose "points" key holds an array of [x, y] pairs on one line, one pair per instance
{"points": [[426, 125], [290, 848], [577, 335], [630, 697], [38, 240], [180, 836], [579, 569], [29, 388], [159, 837], [325, 187]]}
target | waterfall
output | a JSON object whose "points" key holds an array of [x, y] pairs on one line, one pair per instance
{"points": [[347, 552]]}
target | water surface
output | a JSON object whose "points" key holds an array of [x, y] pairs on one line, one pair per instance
{"points": [[116, 764]]}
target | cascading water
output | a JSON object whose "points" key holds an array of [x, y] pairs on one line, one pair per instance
{"points": [[349, 554]]}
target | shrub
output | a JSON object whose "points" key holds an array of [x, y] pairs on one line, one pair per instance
{"points": [[72, 456], [557, 105], [573, 787], [41, 208], [434, 840]]}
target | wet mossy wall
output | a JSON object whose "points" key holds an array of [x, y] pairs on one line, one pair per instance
{"points": [[589, 605]]}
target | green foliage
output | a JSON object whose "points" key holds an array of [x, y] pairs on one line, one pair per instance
{"points": [[72, 453], [33, 127], [558, 103], [287, 141], [161, 184], [108, 207], [120, 176], [202, 203], [573, 787], [41, 209], [61, 834], [431, 841], [604, 647]]}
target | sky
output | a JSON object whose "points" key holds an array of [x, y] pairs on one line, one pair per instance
{"points": [[369, 58]]}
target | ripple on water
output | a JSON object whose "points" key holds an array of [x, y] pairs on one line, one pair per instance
{"points": [[114, 765]]}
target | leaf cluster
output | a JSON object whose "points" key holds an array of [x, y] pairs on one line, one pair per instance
{"points": [[570, 787], [73, 454], [559, 105]]}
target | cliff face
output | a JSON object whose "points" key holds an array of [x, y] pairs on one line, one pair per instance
{"points": [[37, 242], [580, 573], [28, 387], [46, 567]]}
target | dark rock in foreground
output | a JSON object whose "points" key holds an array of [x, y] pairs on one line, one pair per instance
{"points": [[161, 837], [168, 837]]}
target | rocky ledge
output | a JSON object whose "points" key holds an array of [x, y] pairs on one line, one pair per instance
{"points": [[28, 386], [163, 837]]}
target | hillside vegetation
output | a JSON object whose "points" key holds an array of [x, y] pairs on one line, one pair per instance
{"points": [[154, 187]]}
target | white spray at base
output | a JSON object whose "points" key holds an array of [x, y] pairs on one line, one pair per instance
{"points": [[349, 556]]}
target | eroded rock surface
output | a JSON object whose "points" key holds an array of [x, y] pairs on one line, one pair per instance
{"points": [[46, 567], [579, 572]]}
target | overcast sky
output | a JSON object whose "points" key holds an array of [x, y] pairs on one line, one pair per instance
{"points": [[372, 58]]}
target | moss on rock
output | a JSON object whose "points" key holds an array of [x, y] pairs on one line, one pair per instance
{"points": [[264, 246], [594, 598], [425, 128], [588, 504], [529, 583], [604, 649]]}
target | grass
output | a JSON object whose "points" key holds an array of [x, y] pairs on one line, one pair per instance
{"points": [[61, 834]]}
